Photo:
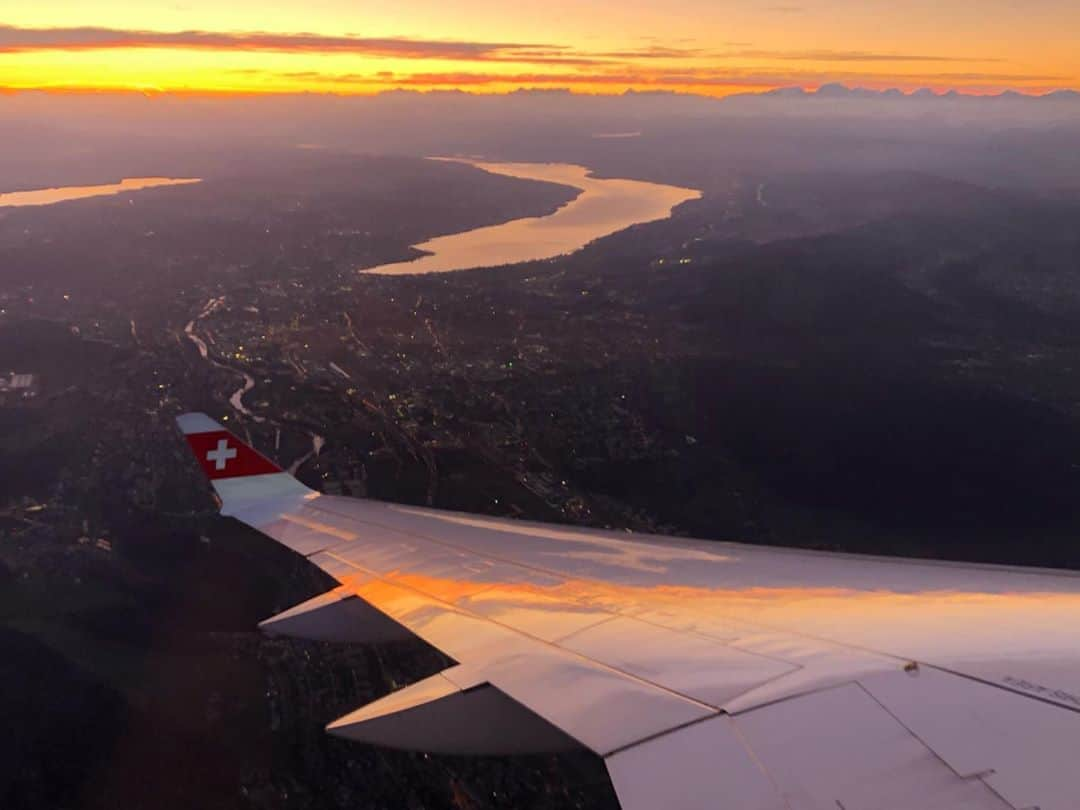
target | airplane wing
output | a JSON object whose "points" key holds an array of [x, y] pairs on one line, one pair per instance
{"points": [[706, 674]]}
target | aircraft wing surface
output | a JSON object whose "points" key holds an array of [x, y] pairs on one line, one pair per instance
{"points": [[706, 674]]}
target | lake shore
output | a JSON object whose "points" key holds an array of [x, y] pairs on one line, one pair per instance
{"points": [[604, 207], [49, 196]]}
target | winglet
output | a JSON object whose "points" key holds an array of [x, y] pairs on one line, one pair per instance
{"points": [[241, 476]]}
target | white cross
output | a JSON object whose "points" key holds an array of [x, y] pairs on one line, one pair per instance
{"points": [[221, 456]]}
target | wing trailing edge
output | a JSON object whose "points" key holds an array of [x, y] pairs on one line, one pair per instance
{"points": [[436, 716], [336, 616]]}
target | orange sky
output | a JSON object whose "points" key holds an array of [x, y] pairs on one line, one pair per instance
{"points": [[705, 46]]}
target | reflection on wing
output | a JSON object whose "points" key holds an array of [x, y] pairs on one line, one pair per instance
{"points": [[710, 671]]}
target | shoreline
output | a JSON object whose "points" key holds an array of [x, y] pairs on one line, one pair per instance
{"points": [[603, 207]]}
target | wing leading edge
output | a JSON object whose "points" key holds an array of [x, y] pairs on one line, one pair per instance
{"points": [[707, 674]]}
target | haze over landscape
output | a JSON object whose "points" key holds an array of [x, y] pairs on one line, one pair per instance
{"points": [[798, 275]]}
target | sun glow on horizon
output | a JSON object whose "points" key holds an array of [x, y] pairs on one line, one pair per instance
{"points": [[329, 46]]}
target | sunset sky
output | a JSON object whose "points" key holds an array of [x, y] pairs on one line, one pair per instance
{"points": [[715, 47]]}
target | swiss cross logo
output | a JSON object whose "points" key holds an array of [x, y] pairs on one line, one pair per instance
{"points": [[222, 455]]}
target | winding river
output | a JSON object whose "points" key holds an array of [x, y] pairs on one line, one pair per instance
{"points": [[236, 400], [603, 207]]}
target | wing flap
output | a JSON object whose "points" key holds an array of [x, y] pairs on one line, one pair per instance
{"points": [[436, 716], [1026, 750], [703, 765], [336, 616], [839, 748], [836, 749]]}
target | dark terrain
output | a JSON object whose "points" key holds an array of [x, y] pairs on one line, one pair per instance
{"points": [[874, 361]]}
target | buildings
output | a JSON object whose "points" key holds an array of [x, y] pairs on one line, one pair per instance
{"points": [[17, 387]]}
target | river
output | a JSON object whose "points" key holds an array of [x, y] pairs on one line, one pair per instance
{"points": [[48, 196], [236, 399], [603, 207]]}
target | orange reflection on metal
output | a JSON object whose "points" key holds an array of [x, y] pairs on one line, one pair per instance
{"points": [[914, 623]]}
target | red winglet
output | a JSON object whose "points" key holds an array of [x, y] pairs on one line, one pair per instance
{"points": [[222, 455]]}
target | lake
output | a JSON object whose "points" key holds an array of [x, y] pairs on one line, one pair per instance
{"points": [[602, 208], [48, 196]]}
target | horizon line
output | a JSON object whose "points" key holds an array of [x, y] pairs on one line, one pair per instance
{"points": [[795, 90]]}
